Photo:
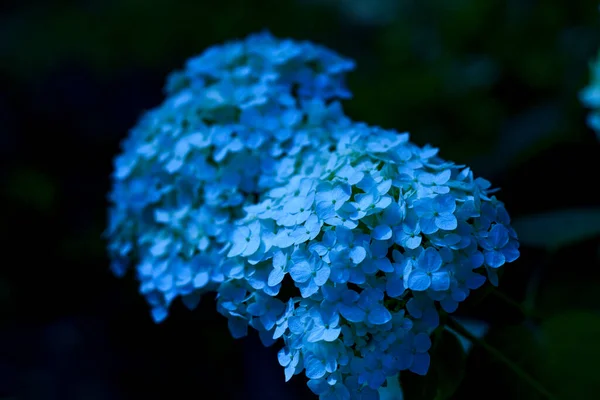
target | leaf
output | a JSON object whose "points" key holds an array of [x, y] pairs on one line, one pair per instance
{"points": [[557, 229], [530, 132], [519, 344], [572, 293], [562, 354], [571, 354], [445, 374]]}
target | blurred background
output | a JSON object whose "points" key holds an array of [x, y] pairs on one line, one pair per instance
{"points": [[492, 83]]}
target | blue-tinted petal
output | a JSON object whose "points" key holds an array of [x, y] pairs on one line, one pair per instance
{"points": [[445, 203], [331, 334], [238, 327], [440, 281], [379, 315], [419, 280], [430, 260], [322, 275], [428, 225], [352, 313], [159, 314], [301, 272], [422, 342], [412, 242], [315, 368], [446, 222], [494, 259], [284, 357], [357, 254], [382, 232], [308, 288], [394, 287], [275, 276], [420, 363]]}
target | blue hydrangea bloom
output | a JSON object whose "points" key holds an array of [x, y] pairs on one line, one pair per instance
{"points": [[590, 97], [342, 239], [236, 121], [360, 317]]}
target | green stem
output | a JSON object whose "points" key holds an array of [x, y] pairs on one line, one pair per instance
{"points": [[534, 284], [458, 328], [527, 311]]}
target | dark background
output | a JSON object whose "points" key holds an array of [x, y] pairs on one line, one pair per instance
{"points": [[492, 83]]}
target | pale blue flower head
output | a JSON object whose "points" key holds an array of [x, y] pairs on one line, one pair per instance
{"points": [[236, 121], [360, 316], [342, 239], [590, 97]]}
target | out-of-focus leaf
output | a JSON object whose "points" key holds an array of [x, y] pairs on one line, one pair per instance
{"points": [[445, 373], [569, 293], [531, 131], [561, 355], [364, 12], [572, 353], [557, 229], [518, 344]]}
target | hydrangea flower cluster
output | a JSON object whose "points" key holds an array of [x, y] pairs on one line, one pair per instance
{"points": [[372, 236], [342, 239], [236, 122], [590, 97]]}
